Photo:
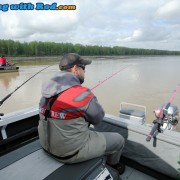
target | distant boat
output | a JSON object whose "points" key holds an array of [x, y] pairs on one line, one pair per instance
{"points": [[7, 69]]}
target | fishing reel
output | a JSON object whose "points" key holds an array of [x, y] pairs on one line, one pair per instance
{"points": [[1, 114], [170, 117], [166, 118]]}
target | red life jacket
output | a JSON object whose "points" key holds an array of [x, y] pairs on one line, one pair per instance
{"points": [[2, 61], [70, 104]]}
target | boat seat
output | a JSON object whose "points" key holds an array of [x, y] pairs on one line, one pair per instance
{"points": [[32, 162], [132, 112], [137, 116]]}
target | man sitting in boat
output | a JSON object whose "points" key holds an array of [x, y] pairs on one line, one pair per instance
{"points": [[3, 61], [66, 111]]}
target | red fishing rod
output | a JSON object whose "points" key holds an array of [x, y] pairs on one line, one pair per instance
{"points": [[163, 113], [1, 102], [107, 78]]}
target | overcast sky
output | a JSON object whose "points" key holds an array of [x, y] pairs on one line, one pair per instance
{"points": [[149, 24]]}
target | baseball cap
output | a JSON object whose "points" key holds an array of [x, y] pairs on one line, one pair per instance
{"points": [[71, 59]]}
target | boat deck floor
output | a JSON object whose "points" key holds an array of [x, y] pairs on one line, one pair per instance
{"points": [[31, 162], [133, 174]]}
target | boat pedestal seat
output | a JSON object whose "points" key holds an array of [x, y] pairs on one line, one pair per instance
{"points": [[32, 162], [137, 116]]}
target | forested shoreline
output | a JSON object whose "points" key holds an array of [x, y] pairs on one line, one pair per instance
{"points": [[38, 48]]}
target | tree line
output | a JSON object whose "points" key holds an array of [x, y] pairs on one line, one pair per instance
{"points": [[37, 48]]}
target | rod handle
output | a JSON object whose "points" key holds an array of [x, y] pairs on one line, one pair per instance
{"points": [[1, 102], [153, 130]]}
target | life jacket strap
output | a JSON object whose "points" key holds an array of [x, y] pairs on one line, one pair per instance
{"points": [[49, 104], [61, 158]]}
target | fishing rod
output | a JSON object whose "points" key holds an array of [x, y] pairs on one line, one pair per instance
{"points": [[162, 114], [13, 64], [107, 78], [4, 99]]}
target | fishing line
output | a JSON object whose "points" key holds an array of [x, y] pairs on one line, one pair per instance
{"points": [[107, 78]]}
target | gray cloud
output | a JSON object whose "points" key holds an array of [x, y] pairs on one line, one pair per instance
{"points": [[133, 23]]}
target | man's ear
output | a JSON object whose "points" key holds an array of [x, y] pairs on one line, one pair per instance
{"points": [[74, 69]]}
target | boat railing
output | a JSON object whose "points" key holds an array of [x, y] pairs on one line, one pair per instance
{"points": [[16, 117]]}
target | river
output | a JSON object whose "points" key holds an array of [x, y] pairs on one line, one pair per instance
{"points": [[147, 81]]}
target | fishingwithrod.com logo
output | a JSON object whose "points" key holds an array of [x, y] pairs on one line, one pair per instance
{"points": [[38, 6]]}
